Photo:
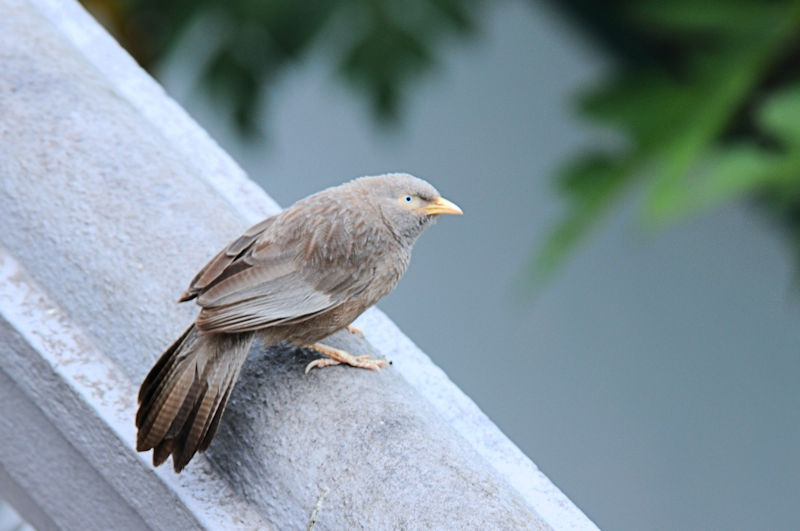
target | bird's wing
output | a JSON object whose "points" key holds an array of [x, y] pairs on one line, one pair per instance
{"points": [[268, 285], [218, 268]]}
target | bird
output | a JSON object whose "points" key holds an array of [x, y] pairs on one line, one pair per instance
{"points": [[296, 277]]}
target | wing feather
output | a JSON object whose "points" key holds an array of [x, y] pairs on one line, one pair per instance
{"points": [[257, 283], [218, 268], [267, 304]]}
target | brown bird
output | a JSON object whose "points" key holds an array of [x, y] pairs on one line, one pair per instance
{"points": [[296, 277]]}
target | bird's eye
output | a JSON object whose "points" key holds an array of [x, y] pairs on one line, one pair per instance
{"points": [[408, 199]]}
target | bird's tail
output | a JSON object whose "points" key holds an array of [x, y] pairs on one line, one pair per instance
{"points": [[183, 397]]}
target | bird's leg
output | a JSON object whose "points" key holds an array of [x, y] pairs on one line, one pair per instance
{"points": [[354, 330], [336, 356]]}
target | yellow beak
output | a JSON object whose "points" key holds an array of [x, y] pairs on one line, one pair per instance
{"points": [[442, 206]]}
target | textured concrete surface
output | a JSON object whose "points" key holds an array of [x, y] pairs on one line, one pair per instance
{"points": [[111, 198], [66, 458], [10, 520]]}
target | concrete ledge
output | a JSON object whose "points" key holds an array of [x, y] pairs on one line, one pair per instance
{"points": [[112, 197]]}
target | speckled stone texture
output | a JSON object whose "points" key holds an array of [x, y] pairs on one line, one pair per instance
{"points": [[110, 200], [389, 460]]}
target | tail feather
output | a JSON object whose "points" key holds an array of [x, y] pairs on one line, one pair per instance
{"points": [[172, 404], [183, 397], [188, 438], [162, 451], [208, 407], [157, 375], [173, 397], [214, 423]]}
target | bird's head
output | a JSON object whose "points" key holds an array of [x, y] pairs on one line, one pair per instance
{"points": [[407, 204]]}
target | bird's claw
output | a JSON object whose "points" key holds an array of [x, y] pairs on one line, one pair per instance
{"points": [[336, 356], [354, 330], [365, 362], [362, 362], [320, 363]]}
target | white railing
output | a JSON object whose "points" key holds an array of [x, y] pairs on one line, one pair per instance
{"points": [[110, 199]]}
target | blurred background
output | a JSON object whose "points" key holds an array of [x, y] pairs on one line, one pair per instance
{"points": [[620, 296]]}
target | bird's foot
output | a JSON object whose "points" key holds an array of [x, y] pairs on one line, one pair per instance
{"points": [[354, 330], [336, 356]]}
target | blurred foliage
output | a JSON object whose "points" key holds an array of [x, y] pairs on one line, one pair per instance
{"points": [[707, 100], [379, 45], [706, 95]]}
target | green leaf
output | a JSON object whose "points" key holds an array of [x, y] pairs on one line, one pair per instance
{"points": [[650, 107], [731, 173], [781, 116], [725, 86], [716, 16]]}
